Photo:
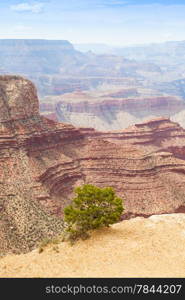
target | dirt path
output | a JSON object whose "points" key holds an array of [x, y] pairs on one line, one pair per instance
{"points": [[153, 247]]}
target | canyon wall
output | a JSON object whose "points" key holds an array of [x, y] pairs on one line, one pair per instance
{"points": [[29, 146], [112, 110]]}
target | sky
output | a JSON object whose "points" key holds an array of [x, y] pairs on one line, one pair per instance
{"points": [[111, 22]]}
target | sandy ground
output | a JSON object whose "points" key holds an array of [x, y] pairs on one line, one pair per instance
{"points": [[153, 247]]}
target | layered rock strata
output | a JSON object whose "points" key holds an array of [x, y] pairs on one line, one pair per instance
{"points": [[114, 110]]}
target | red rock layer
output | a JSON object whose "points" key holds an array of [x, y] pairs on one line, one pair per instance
{"points": [[107, 107]]}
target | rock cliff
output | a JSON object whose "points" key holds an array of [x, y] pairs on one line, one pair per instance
{"points": [[41, 161], [29, 145]]}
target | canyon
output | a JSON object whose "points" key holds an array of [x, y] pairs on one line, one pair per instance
{"points": [[108, 90], [57, 67], [41, 161]]}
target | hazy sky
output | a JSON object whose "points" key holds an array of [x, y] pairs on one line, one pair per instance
{"points": [[113, 22]]}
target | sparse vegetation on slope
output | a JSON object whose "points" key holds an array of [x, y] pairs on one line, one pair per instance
{"points": [[24, 224]]}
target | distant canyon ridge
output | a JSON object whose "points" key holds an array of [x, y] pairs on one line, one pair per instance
{"points": [[109, 90], [112, 109]]}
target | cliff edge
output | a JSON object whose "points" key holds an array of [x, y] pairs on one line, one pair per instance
{"points": [[135, 248]]}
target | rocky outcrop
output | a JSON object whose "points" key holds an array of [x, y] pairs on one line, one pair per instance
{"points": [[41, 161], [29, 146]]}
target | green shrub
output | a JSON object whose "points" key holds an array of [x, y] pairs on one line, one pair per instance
{"points": [[92, 208]]}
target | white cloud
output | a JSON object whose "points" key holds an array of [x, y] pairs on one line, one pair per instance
{"points": [[26, 7]]}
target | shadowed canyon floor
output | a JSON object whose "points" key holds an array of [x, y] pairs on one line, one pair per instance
{"points": [[153, 247]]}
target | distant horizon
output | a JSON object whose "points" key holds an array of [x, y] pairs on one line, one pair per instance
{"points": [[94, 43], [109, 22]]}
